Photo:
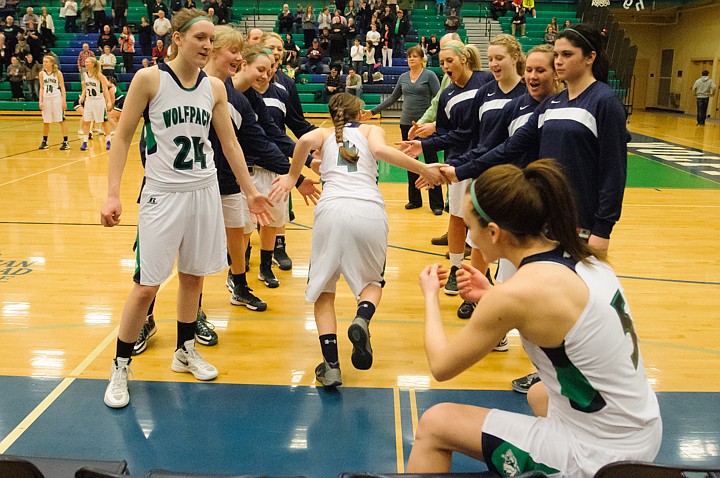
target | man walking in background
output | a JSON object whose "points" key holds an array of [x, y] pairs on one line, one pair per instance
{"points": [[703, 88]]}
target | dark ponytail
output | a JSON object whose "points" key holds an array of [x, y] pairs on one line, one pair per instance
{"points": [[588, 38], [530, 202]]}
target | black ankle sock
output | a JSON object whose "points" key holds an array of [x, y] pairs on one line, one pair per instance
{"points": [[151, 308], [328, 344], [65, 139], [45, 139], [280, 240], [185, 332], [200, 301], [266, 258], [365, 310], [124, 349], [240, 279]]}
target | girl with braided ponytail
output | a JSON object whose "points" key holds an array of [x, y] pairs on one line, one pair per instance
{"points": [[594, 405], [350, 229]]}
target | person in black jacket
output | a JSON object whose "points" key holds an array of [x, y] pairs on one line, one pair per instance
{"points": [[400, 29]]}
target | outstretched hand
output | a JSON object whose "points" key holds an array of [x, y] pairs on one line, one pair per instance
{"points": [[432, 278], [472, 284], [260, 208], [308, 190], [421, 130], [411, 148], [449, 173]]}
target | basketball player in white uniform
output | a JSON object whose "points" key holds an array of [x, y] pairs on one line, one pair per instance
{"points": [[350, 227], [594, 405], [52, 100], [96, 100], [180, 209]]}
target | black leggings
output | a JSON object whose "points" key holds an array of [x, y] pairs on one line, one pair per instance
{"points": [[414, 196]]}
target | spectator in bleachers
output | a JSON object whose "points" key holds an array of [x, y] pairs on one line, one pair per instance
{"points": [[86, 15], [119, 13], [387, 44], [452, 22], [11, 6], [353, 83], [351, 33], [159, 6], [455, 5], [286, 20], [387, 17], [314, 57], [566, 24], [107, 62], [529, 6], [551, 31], [21, 47], [145, 63], [516, 5], [351, 10], [31, 72], [85, 53], [340, 6], [159, 52], [308, 25], [46, 29], [11, 32], [338, 41], [189, 4], [373, 38], [71, 11], [407, 7], [29, 17], [223, 12], [297, 19], [3, 8], [433, 51], [518, 20], [15, 75], [400, 29], [99, 17], [176, 6], [324, 19], [106, 38], [357, 52], [291, 51], [4, 56], [369, 63], [333, 85], [145, 37], [324, 39], [162, 27], [33, 40], [127, 48], [498, 9], [362, 18]]}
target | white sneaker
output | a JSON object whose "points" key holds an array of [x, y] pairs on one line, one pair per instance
{"points": [[188, 359], [117, 394], [81, 132]]}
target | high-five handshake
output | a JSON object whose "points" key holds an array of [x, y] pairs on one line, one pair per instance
{"points": [[413, 147]]}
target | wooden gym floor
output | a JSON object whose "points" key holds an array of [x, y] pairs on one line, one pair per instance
{"points": [[64, 279]]}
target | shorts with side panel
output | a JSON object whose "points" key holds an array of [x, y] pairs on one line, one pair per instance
{"points": [[187, 225], [349, 238], [234, 207], [280, 212], [94, 110], [52, 110], [514, 443]]}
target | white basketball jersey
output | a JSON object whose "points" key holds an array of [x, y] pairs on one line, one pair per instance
{"points": [[93, 88], [596, 379], [341, 178], [51, 85], [177, 128]]}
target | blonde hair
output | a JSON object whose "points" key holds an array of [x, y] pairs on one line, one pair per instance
{"points": [[252, 52], [268, 35], [55, 68], [227, 37], [513, 47], [470, 52], [344, 108], [95, 67]]}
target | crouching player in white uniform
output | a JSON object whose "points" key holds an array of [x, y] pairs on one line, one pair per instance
{"points": [[350, 228], [180, 208], [594, 405]]}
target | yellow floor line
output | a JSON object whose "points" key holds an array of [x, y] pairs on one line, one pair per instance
{"points": [[413, 411], [57, 391], [398, 432]]}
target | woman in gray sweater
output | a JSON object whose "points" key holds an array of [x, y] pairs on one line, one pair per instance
{"points": [[417, 87], [308, 24]]}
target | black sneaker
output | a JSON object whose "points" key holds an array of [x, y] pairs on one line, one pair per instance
{"points": [[266, 275], [466, 309], [204, 331], [280, 257], [149, 329], [65, 146], [359, 335], [247, 257], [230, 282], [244, 296], [451, 284], [523, 384], [328, 374], [44, 145], [439, 241]]}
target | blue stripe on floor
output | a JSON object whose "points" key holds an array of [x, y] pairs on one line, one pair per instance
{"points": [[18, 397]]}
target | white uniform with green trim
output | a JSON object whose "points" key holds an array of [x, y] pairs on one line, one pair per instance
{"points": [[180, 208], [94, 108], [601, 406], [52, 99], [350, 229]]}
